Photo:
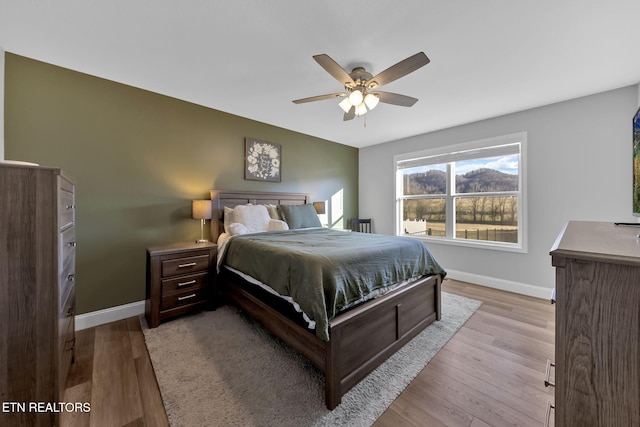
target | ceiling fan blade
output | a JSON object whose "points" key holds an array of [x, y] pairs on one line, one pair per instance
{"points": [[396, 99], [350, 115], [319, 98], [398, 70], [334, 69]]}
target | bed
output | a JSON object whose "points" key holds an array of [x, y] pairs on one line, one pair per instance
{"points": [[354, 341]]}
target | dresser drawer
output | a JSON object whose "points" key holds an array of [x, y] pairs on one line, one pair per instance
{"points": [[66, 280], [182, 283], [183, 298], [66, 348], [186, 265], [66, 209], [67, 247], [67, 309]]}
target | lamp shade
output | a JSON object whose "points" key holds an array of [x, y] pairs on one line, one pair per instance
{"points": [[371, 100], [201, 209], [356, 97], [361, 109], [319, 207], [345, 105]]}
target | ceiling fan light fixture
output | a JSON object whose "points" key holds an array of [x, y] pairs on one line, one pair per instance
{"points": [[345, 104], [356, 97], [371, 100], [361, 87]]}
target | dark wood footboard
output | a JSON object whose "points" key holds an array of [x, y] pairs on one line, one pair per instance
{"points": [[360, 339]]}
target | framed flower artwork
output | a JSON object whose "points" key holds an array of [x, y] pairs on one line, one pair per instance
{"points": [[262, 161]]}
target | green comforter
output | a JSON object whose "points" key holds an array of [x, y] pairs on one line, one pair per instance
{"points": [[326, 271]]}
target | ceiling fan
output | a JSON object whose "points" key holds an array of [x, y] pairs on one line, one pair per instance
{"points": [[360, 87]]}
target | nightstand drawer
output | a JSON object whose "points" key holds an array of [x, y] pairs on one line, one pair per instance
{"points": [[182, 283], [183, 298], [185, 265]]}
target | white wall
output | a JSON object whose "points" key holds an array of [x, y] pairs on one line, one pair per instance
{"points": [[579, 168], [1, 103]]}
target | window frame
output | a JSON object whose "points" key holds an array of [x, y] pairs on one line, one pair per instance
{"points": [[457, 152]]}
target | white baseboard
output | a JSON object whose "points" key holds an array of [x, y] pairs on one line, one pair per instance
{"points": [[503, 285], [111, 314]]}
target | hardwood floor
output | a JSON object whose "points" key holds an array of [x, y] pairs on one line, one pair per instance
{"points": [[490, 373], [113, 372]]}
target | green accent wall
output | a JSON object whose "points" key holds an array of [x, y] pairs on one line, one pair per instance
{"points": [[139, 158]]}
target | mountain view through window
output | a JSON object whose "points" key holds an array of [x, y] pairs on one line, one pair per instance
{"points": [[484, 195]]}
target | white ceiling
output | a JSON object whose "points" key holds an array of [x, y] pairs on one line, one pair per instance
{"points": [[252, 58]]}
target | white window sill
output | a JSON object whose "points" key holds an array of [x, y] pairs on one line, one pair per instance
{"points": [[476, 244]]}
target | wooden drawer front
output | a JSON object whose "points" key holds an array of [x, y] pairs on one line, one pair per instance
{"points": [[186, 265], [67, 310], [66, 281], [67, 250], [182, 283], [66, 349], [66, 209], [65, 184], [183, 298]]}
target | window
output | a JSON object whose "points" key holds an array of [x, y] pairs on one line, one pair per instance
{"points": [[469, 194]]}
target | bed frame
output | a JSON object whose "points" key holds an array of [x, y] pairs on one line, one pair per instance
{"points": [[359, 339]]}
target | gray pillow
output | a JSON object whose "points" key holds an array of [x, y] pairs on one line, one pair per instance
{"points": [[300, 216]]}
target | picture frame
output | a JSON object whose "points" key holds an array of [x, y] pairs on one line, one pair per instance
{"points": [[262, 161], [636, 163]]}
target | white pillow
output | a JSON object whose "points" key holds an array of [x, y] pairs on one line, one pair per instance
{"points": [[228, 218], [222, 238], [254, 217], [236, 228], [276, 224], [273, 211]]}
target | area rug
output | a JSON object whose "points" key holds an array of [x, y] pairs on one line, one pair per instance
{"points": [[221, 368]]}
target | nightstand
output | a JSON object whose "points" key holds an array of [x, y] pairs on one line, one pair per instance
{"points": [[180, 279]]}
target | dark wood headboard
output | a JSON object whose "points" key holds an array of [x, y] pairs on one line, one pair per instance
{"points": [[222, 198]]}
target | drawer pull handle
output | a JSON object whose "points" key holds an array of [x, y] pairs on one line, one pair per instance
{"points": [[70, 206], [189, 264], [70, 311], [190, 282], [71, 277], [73, 244], [547, 375], [186, 297], [548, 416]]}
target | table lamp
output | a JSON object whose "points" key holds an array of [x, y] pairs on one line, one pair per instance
{"points": [[201, 209]]}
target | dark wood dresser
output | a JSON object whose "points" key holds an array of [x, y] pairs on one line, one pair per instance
{"points": [[180, 279], [597, 372], [37, 290]]}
